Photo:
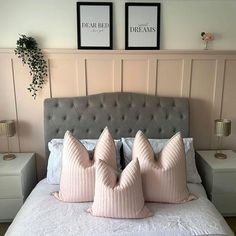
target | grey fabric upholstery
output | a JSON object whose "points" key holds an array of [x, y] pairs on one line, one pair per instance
{"points": [[123, 113]]}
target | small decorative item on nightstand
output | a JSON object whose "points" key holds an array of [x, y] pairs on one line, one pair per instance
{"points": [[7, 128], [222, 128]]}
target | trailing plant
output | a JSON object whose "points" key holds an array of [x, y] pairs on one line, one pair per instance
{"points": [[27, 49]]}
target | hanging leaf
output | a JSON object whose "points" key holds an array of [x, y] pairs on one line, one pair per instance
{"points": [[27, 49]]}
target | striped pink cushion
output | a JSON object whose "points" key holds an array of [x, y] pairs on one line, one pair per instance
{"points": [[122, 199], [77, 182], [164, 179]]}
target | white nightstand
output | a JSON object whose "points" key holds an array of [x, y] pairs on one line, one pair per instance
{"points": [[219, 179], [17, 179]]}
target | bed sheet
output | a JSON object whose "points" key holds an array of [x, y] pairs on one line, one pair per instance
{"points": [[42, 214]]}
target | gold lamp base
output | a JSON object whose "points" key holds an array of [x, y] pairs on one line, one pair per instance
{"points": [[9, 157], [220, 155]]}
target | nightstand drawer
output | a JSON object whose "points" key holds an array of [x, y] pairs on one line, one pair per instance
{"points": [[225, 203], [10, 187], [9, 208], [224, 182], [218, 178], [17, 179]]}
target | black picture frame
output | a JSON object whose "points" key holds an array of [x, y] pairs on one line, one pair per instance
{"points": [[93, 31], [142, 26]]}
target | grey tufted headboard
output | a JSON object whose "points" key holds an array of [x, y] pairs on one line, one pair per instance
{"points": [[123, 113]]}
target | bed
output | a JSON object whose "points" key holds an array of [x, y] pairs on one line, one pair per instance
{"points": [[124, 114]]}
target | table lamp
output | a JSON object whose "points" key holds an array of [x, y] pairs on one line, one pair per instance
{"points": [[222, 128], [7, 128]]}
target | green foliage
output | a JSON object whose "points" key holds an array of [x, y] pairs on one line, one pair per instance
{"points": [[27, 49]]}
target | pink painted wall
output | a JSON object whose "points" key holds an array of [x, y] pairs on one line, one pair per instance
{"points": [[206, 77]]}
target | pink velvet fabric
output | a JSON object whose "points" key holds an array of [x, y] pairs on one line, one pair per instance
{"points": [[77, 182], [119, 199], [164, 179]]}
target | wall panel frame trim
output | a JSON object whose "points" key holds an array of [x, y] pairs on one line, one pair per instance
{"points": [[207, 77]]}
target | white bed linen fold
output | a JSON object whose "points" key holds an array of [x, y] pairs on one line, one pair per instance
{"points": [[42, 214]]}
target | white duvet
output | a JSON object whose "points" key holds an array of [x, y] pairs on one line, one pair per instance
{"points": [[42, 214]]}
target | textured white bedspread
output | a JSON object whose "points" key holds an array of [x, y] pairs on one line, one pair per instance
{"points": [[42, 214]]}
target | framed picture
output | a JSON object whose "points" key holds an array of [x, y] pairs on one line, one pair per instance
{"points": [[142, 26], [94, 23]]}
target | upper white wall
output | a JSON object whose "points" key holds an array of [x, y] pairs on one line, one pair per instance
{"points": [[53, 23]]}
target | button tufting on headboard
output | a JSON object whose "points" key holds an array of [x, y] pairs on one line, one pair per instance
{"points": [[123, 113]]}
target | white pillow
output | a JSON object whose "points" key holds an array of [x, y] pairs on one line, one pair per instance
{"points": [[55, 147], [157, 145]]}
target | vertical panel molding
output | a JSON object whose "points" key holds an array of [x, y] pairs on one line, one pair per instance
{"points": [[117, 74], [16, 112], [49, 77], [82, 76], [229, 100], [152, 76], [157, 68], [8, 109], [186, 79], [217, 96]]}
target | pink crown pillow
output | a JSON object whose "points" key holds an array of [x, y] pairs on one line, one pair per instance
{"points": [[77, 182], [119, 199], [164, 179]]}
